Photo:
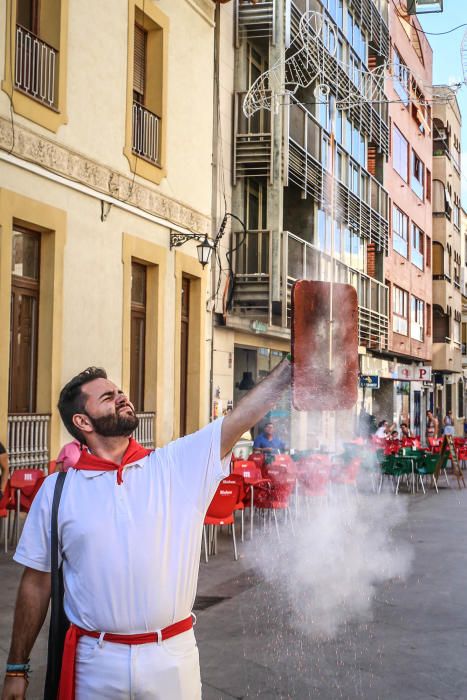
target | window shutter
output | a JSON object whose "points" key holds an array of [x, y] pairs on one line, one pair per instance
{"points": [[139, 63]]}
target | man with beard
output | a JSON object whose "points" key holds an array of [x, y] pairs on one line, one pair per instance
{"points": [[129, 529]]}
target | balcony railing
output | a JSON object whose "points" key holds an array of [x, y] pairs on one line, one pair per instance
{"points": [[252, 263], [35, 67], [253, 148], [371, 113], [364, 207], [28, 442], [302, 260], [146, 133], [144, 434], [254, 20]]}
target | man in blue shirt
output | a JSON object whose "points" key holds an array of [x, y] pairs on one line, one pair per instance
{"points": [[266, 440]]}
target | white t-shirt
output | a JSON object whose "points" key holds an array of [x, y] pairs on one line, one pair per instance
{"points": [[381, 432], [131, 551]]}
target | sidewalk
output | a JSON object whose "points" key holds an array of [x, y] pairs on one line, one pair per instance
{"points": [[413, 648]]}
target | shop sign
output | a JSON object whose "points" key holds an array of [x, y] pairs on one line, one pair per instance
{"points": [[259, 327], [369, 381], [412, 373]]}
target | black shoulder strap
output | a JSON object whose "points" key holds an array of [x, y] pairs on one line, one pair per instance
{"points": [[58, 621]]}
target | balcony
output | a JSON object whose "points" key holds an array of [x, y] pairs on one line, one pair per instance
{"points": [[35, 67], [302, 260], [144, 433], [364, 208], [28, 442], [372, 113], [146, 134], [253, 147], [254, 21]]}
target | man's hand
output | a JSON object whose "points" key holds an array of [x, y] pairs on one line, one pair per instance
{"points": [[14, 688], [254, 405]]}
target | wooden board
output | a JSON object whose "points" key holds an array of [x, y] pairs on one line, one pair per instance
{"points": [[317, 383]]}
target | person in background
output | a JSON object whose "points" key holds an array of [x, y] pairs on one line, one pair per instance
{"points": [[394, 435], [68, 456], [383, 430], [266, 441], [405, 431], [431, 425], [5, 471], [448, 423]]}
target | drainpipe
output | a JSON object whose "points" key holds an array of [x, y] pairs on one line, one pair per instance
{"points": [[215, 178]]}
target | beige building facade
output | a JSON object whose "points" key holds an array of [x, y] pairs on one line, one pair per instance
{"points": [[447, 276], [105, 152]]}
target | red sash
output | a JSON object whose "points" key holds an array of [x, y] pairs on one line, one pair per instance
{"points": [[67, 676], [90, 462]]}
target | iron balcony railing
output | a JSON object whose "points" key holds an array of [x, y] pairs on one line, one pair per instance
{"points": [[252, 265], [146, 133], [144, 433], [28, 440], [253, 146], [303, 260], [255, 20], [359, 200], [35, 67]]}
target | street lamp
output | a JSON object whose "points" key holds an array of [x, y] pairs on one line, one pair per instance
{"points": [[207, 245], [420, 7], [204, 251]]}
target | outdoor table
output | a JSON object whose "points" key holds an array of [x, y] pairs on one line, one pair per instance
{"points": [[413, 458]]}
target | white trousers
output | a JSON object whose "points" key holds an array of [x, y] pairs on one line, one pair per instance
{"points": [[166, 671]]}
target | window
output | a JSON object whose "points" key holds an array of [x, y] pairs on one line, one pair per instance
{"points": [[416, 252], [400, 302], [400, 158], [400, 236], [456, 213], [146, 96], [24, 322], [417, 319], [354, 181], [438, 260], [326, 152], [428, 319], [456, 331], [138, 335], [417, 176], [400, 80], [460, 398], [257, 64], [36, 50]]}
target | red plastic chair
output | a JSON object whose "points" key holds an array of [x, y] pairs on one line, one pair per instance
{"points": [[435, 445], [22, 487], [347, 474], [258, 458], [253, 479], [237, 480], [221, 512], [4, 517], [277, 495]]}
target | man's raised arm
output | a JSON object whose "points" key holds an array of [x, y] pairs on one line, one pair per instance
{"points": [[254, 405], [30, 611]]}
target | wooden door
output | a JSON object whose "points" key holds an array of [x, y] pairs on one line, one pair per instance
{"points": [[184, 337]]}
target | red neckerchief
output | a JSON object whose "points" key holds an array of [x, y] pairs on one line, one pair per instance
{"points": [[90, 462]]}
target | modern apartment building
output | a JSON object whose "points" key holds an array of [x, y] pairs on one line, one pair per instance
{"points": [[447, 244], [406, 393], [306, 181], [105, 150]]}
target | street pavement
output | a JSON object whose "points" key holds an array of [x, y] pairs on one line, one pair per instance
{"points": [[413, 647]]}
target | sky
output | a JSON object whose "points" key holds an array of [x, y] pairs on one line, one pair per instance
{"points": [[447, 65]]}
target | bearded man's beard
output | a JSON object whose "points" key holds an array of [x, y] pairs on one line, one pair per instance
{"points": [[117, 425]]}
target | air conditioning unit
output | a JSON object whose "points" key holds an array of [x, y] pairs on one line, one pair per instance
{"points": [[419, 7]]}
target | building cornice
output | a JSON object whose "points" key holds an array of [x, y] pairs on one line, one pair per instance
{"points": [[205, 8], [58, 159]]}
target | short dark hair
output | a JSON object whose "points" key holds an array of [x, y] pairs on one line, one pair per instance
{"points": [[72, 399], [381, 423]]}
